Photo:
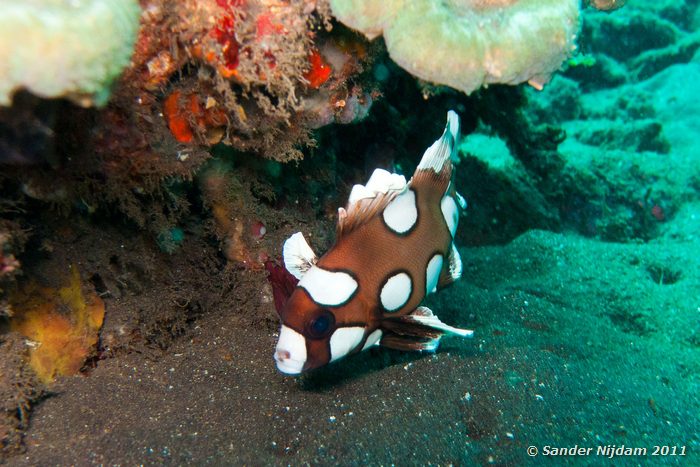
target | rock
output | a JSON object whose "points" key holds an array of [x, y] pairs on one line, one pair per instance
{"points": [[679, 13], [504, 200], [673, 94], [599, 73], [651, 62], [635, 135], [626, 33], [558, 102]]}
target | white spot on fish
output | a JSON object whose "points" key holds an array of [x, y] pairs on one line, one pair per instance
{"points": [[402, 213], [432, 273], [327, 287], [396, 291], [344, 340], [448, 206]]}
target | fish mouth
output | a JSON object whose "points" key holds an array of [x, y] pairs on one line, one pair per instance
{"points": [[290, 352], [293, 369], [287, 365]]}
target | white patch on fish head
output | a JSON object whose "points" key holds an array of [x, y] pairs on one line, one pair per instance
{"points": [[450, 212], [344, 340], [328, 288], [290, 353], [402, 213], [432, 273], [396, 291]]}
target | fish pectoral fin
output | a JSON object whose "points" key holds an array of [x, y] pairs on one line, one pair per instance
{"points": [[298, 255], [405, 326], [451, 270], [420, 330], [409, 343], [425, 316], [422, 322]]}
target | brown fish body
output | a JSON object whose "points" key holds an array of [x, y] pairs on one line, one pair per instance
{"points": [[394, 246]]}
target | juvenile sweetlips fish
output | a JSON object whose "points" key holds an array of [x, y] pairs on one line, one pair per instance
{"points": [[394, 245]]}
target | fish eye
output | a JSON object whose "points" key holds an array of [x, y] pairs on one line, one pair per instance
{"points": [[321, 325]]}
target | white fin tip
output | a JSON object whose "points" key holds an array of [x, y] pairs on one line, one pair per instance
{"points": [[444, 148], [380, 182], [424, 315]]}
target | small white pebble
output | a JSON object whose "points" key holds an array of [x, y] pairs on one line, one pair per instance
{"points": [[510, 435], [538, 397], [332, 418], [468, 396]]}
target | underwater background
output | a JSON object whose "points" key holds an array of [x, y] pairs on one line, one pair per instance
{"points": [[155, 155]]}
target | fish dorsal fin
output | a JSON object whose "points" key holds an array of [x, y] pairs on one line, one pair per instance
{"points": [[298, 255], [368, 200]]}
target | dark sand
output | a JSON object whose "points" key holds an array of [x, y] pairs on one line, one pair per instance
{"points": [[577, 342]]}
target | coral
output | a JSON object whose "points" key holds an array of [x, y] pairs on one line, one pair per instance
{"points": [[62, 325], [467, 44], [256, 75], [19, 389], [234, 218], [185, 116], [58, 48], [8, 263], [237, 72], [606, 5], [346, 107], [336, 101], [319, 72], [12, 241]]}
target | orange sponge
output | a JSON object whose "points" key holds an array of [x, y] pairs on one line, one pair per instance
{"points": [[62, 324]]}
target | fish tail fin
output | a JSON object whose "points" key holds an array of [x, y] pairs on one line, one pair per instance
{"points": [[443, 150], [436, 163]]}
